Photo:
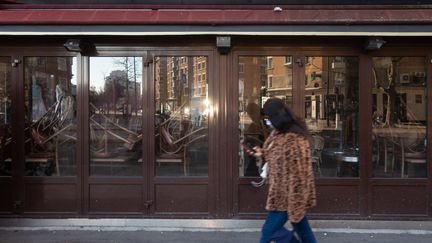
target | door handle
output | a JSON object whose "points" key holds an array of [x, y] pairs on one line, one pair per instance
{"points": [[148, 204]]}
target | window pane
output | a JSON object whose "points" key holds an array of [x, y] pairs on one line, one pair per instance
{"points": [[399, 117], [5, 116], [181, 119], [115, 116], [331, 113], [50, 109], [260, 78]]}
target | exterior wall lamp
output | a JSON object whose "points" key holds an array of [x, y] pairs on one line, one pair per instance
{"points": [[223, 44], [374, 43], [77, 45]]}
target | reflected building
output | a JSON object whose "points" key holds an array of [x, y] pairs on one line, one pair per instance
{"points": [[186, 82], [279, 78]]}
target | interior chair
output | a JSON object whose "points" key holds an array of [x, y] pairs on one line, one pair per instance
{"points": [[317, 147], [170, 152], [55, 122], [389, 154], [414, 153], [414, 158], [175, 151]]}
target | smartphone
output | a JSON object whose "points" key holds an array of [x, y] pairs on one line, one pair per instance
{"points": [[247, 148]]}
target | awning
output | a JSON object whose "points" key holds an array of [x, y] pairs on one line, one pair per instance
{"points": [[255, 30], [322, 22]]}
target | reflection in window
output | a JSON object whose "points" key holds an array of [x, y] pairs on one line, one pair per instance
{"points": [[256, 85], [115, 116], [5, 116], [331, 113], [399, 117], [50, 116], [182, 113]]}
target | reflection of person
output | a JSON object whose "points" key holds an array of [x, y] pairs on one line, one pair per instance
{"points": [[290, 173], [38, 104], [254, 112], [254, 136]]}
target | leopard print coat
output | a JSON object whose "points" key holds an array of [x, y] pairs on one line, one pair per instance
{"points": [[290, 174]]}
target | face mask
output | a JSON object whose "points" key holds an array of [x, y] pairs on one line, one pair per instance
{"points": [[268, 123]]}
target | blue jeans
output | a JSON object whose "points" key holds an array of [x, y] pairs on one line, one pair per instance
{"points": [[277, 219]]}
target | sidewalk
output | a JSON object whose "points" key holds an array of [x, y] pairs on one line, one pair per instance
{"points": [[187, 237], [211, 231]]}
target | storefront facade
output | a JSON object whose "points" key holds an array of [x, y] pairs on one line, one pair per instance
{"points": [[143, 113]]}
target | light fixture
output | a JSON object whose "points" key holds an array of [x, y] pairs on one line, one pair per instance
{"points": [[77, 45], [374, 43], [223, 44], [277, 9]]}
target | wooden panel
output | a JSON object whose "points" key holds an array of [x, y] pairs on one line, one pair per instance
{"points": [[251, 199], [115, 198], [333, 199], [181, 198], [6, 195], [50, 198], [399, 200]]}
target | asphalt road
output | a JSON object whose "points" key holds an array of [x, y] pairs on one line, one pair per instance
{"points": [[41, 236]]}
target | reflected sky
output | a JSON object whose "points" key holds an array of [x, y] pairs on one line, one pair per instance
{"points": [[101, 67]]}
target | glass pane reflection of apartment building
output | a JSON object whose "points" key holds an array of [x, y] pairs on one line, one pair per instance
{"points": [[260, 78], [331, 112], [182, 112], [399, 117]]}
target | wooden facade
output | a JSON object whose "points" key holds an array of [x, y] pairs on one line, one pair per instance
{"points": [[221, 191]]}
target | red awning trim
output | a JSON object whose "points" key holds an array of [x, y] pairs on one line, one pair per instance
{"points": [[213, 17], [15, 5]]}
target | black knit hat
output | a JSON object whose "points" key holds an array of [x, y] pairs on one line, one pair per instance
{"points": [[274, 107], [282, 118]]}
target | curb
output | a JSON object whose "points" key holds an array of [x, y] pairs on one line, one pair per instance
{"points": [[216, 225]]}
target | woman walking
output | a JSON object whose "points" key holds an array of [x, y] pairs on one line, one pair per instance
{"points": [[290, 174]]}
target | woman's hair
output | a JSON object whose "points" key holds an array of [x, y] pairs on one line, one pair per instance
{"points": [[282, 118]]}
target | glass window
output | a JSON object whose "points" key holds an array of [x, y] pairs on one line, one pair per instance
{"points": [[288, 60], [5, 116], [331, 114], [241, 67], [256, 85], [50, 116], [399, 117], [115, 116], [181, 120], [269, 62]]}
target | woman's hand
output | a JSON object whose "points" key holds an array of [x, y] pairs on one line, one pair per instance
{"points": [[257, 152]]}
